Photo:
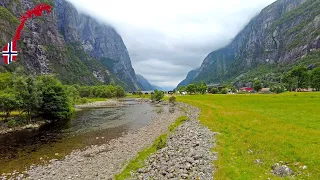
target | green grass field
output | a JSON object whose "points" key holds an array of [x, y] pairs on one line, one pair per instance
{"points": [[272, 128]]}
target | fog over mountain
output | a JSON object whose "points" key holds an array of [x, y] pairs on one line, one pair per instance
{"points": [[166, 39]]}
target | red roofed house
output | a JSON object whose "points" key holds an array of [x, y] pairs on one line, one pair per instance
{"points": [[247, 89]]}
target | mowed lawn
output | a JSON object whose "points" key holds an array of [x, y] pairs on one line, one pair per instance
{"points": [[271, 128]]}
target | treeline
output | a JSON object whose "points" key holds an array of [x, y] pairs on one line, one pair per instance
{"points": [[194, 88], [300, 78], [45, 97]]}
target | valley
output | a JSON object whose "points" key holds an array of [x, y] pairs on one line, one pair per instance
{"points": [[162, 90]]}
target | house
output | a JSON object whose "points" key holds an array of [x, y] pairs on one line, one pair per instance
{"points": [[265, 90], [246, 89]]}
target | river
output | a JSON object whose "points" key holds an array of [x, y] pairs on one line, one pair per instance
{"points": [[90, 126]]}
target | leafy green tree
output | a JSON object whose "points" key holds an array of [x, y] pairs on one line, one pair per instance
{"points": [[277, 88], [214, 91], [202, 88], [315, 79], [224, 91], [191, 88], [181, 88], [28, 94], [5, 80], [301, 74], [257, 85], [157, 95], [290, 82], [120, 92], [8, 103], [72, 93], [56, 104]]}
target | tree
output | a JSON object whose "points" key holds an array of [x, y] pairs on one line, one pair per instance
{"points": [[214, 91], [119, 92], [224, 91], [301, 74], [181, 88], [55, 103], [202, 88], [157, 95], [277, 88], [257, 85], [315, 79], [73, 93], [5, 80], [191, 88], [28, 94], [8, 103], [290, 82]]}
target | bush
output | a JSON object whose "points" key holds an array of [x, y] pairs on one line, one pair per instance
{"points": [[214, 91], [278, 88], [56, 104], [157, 95], [172, 100], [83, 100], [11, 123], [224, 91]]}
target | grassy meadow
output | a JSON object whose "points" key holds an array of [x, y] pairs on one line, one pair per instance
{"points": [[272, 128]]}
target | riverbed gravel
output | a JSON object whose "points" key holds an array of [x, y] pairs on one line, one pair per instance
{"points": [[187, 155], [103, 162]]}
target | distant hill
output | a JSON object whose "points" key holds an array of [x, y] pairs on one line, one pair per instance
{"points": [[146, 86], [284, 34]]}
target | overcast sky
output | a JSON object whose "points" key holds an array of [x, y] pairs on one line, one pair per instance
{"points": [[168, 38]]}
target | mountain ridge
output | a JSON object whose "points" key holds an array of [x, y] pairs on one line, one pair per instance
{"points": [[281, 34]]}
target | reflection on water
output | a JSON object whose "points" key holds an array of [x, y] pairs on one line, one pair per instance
{"points": [[90, 126]]}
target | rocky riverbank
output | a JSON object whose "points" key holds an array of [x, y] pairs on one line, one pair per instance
{"points": [[5, 130], [107, 103], [187, 155], [103, 162]]}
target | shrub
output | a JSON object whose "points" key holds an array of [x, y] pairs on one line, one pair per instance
{"points": [[83, 100], [224, 91], [56, 105], [214, 91], [157, 95], [172, 100], [11, 123], [278, 88]]}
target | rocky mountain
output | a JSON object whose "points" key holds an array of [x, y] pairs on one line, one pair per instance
{"points": [[280, 35], [74, 46], [190, 76], [146, 86]]}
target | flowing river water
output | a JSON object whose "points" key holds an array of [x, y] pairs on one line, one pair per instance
{"points": [[90, 126]]}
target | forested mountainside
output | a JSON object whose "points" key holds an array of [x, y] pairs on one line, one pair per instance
{"points": [[74, 46], [285, 33]]}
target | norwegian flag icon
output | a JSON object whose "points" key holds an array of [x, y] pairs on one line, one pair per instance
{"points": [[9, 52]]}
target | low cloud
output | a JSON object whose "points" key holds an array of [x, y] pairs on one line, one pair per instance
{"points": [[168, 38]]}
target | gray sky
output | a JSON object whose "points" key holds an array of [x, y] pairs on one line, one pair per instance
{"points": [[168, 38]]}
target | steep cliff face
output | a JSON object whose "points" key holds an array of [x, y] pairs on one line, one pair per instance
{"points": [[100, 41], [73, 46], [281, 34], [190, 76]]}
